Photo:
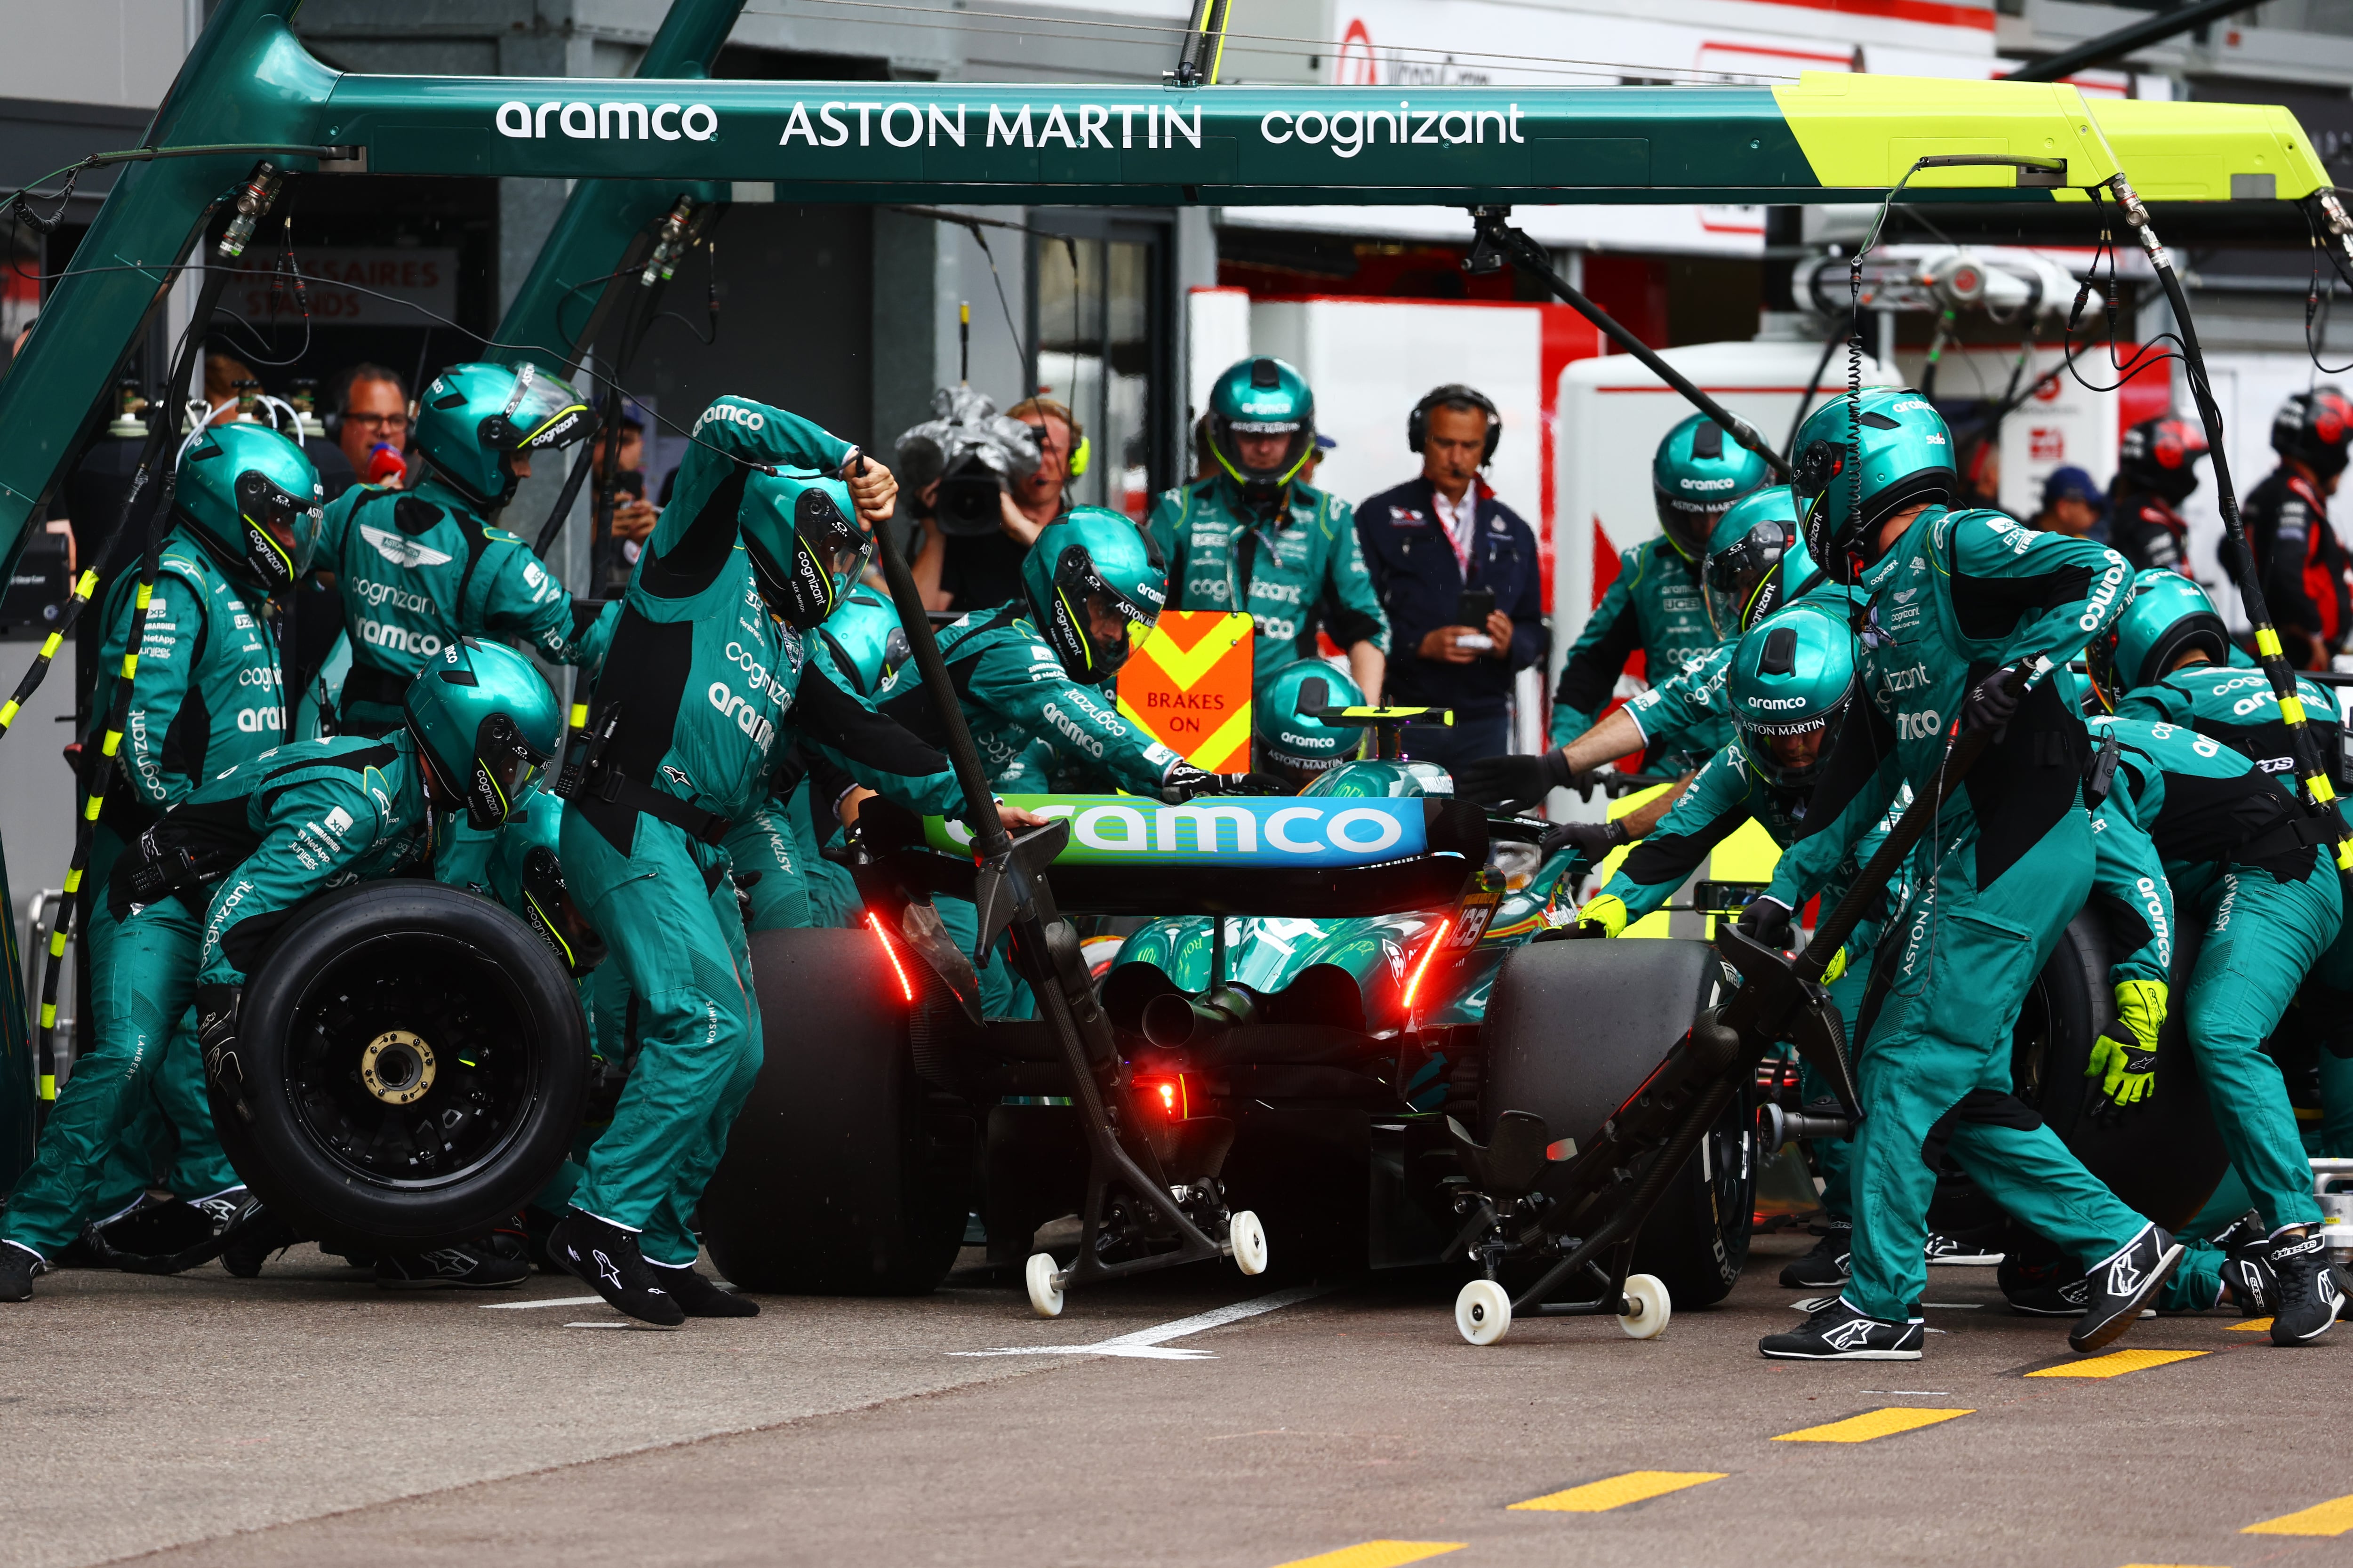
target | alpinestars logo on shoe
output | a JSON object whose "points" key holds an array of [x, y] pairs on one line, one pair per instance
{"points": [[1850, 1335]]}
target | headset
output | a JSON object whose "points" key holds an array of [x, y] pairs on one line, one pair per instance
{"points": [[1417, 423]]}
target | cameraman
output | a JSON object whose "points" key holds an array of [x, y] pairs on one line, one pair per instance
{"points": [[973, 572]]}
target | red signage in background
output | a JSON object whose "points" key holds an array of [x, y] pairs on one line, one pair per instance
{"points": [[387, 286]]}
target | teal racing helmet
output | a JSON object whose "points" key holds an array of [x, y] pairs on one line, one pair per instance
{"points": [[1262, 398], [527, 874], [1698, 473], [866, 640], [474, 418], [253, 499], [2165, 615], [1861, 460], [1090, 576], [1290, 744], [800, 529], [1754, 562], [1793, 676], [487, 722]]}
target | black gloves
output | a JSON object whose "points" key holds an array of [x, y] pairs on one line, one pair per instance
{"points": [[1991, 701], [1513, 782], [217, 1007], [1591, 840], [1184, 781], [1765, 921]]}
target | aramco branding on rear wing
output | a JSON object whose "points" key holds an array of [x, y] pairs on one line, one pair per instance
{"points": [[1282, 831]]}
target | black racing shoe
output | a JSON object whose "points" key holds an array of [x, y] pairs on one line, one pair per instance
{"points": [[2247, 1230], [2248, 1283], [2308, 1299], [1839, 1333], [2123, 1286], [698, 1297], [605, 1259], [2053, 1298], [253, 1237], [468, 1266], [1829, 1265], [1950, 1250], [18, 1265]]}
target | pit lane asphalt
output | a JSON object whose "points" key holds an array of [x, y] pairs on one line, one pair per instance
{"points": [[309, 1418]]}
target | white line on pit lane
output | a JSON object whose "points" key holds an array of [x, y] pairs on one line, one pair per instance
{"points": [[550, 1301], [1149, 1344]]}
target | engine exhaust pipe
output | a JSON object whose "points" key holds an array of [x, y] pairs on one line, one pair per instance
{"points": [[1172, 1022]]}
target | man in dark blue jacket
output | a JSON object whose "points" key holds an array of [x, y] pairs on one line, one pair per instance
{"points": [[1431, 543]]}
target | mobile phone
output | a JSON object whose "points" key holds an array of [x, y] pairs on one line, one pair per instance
{"points": [[1474, 606]]}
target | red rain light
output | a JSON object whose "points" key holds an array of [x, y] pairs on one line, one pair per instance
{"points": [[1421, 964], [1172, 1097], [906, 986]]}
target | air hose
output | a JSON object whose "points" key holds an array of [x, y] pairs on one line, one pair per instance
{"points": [[2321, 792]]}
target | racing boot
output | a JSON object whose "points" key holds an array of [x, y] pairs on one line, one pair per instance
{"points": [[2308, 1297], [698, 1297], [2044, 1290], [1829, 1265], [1953, 1250], [607, 1259], [252, 1237], [1839, 1333], [19, 1264], [468, 1266], [2248, 1283], [2122, 1285]]}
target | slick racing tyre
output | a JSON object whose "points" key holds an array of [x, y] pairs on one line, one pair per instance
{"points": [[2163, 1158], [1573, 1029], [415, 1063], [845, 1174]]}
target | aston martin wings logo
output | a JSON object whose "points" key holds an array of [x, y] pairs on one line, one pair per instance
{"points": [[401, 550]]}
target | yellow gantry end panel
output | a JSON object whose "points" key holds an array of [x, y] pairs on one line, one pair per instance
{"points": [[2209, 151], [1867, 130]]}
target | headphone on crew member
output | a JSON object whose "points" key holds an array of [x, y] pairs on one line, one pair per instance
{"points": [[1417, 423]]}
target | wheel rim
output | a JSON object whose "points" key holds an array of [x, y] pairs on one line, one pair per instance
{"points": [[411, 1061]]}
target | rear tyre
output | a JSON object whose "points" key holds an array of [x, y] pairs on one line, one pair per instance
{"points": [[2164, 1159], [1572, 1031], [415, 1064], [845, 1174]]}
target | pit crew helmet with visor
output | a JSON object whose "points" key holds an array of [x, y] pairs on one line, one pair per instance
{"points": [[2165, 615], [1262, 396], [1697, 474], [487, 722], [1092, 579], [2159, 456], [1754, 562], [1793, 676], [2312, 427], [475, 418], [1860, 461], [1292, 744], [865, 639], [808, 550], [253, 501]]}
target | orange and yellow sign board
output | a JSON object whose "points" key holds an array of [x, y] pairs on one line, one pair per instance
{"points": [[1187, 683]]}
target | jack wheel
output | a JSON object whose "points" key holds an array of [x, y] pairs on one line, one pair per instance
{"points": [[1246, 1238], [1482, 1311], [1647, 1307], [1045, 1296]]}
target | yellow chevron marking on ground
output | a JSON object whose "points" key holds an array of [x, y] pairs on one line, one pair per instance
{"points": [[2116, 1364], [2334, 1517], [1634, 1486], [1378, 1555], [1872, 1425], [2252, 1326]]}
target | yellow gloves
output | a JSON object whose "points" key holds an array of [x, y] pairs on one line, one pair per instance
{"points": [[2124, 1058], [1608, 912]]}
